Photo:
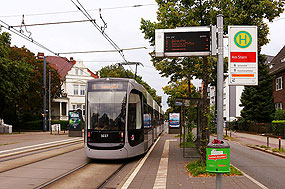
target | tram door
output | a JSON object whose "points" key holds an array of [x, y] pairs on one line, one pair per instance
{"points": [[135, 121], [146, 122]]}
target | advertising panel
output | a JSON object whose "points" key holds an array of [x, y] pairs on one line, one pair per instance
{"points": [[147, 120], [75, 119], [174, 120]]}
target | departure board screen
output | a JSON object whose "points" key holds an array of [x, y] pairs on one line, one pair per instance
{"points": [[187, 41]]}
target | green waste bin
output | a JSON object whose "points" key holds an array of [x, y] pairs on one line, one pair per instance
{"points": [[218, 157]]}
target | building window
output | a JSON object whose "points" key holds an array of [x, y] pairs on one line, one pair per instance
{"points": [[279, 83], [76, 71], [75, 89], [82, 90], [78, 106], [278, 105], [81, 71], [73, 106]]}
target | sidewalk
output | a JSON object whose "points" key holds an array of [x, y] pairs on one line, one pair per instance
{"points": [[165, 168], [256, 139]]}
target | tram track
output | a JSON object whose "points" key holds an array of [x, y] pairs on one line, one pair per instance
{"points": [[19, 158], [26, 149]]}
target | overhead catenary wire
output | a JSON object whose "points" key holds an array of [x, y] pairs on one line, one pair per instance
{"points": [[80, 7], [19, 33], [52, 23], [103, 51], [67, 12], [28, 38]]}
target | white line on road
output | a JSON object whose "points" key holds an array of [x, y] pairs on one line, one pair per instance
{"points": [[252, 179], [161, 176], [25, 147], [132, 176]]}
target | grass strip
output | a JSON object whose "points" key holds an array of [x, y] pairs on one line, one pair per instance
{"points": [[198, 169]]}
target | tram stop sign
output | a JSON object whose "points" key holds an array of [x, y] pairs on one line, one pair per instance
{"points": [[218, 157]]}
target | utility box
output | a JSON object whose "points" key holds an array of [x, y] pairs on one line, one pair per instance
{"points": [[218, 157]]}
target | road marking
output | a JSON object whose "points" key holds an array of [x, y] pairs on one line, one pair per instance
{"points": [[252, 179], [137, 169], [25, 147], [161, 176]]}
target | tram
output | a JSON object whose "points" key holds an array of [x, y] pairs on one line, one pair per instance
{"points": [[122, 119]]}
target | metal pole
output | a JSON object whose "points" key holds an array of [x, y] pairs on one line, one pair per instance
{"points": [[267, 141], [49, 102], [220, 81], [44, 96], [279, 142]]}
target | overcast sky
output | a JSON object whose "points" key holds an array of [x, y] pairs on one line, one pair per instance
{"points": [[123, 23]]}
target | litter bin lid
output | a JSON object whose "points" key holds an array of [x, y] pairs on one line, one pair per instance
{"points": [[218, 144]]}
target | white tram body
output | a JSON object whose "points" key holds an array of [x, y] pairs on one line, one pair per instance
{"points": [[122, 119]]}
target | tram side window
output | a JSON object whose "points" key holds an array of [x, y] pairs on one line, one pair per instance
{"points": [[134, 112], [146, 116], [150, 112]]}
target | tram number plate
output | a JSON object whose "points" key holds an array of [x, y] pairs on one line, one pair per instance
{"points": [[104, 135]]}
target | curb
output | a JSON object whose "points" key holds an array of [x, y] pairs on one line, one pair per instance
{"points": [[260, 149], [267, 151]]}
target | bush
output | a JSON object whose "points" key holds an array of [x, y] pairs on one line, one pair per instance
{"points": [[38, 125], [278, 127], [279, 114]]}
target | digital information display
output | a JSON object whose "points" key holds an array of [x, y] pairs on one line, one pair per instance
{"points": [[187, 42]]}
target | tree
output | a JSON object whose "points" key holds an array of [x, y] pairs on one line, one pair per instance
{"points": [[120, 72], [21, 78], [257, 101], [183, 13]]}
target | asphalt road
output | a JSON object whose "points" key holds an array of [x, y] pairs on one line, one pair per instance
{"points": [[267, 169]]}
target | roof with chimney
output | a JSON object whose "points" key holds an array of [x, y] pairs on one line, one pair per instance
{"points": [[61, 64], [278, 62]]}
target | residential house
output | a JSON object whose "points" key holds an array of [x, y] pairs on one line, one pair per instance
{"points": [[277, 70], [74, 76]]}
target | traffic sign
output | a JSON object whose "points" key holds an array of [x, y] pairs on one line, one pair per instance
{"points": [[243, 62]]}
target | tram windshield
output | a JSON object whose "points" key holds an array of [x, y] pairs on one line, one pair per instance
{"points": [[107, 110]]}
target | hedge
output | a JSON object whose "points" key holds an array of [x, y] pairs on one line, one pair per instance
{"points": [[278, 127], [38, 125]]}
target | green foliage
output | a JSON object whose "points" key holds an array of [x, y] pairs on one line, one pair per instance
{"points": [[279, 114], [257, 101], [211, 120], [185, 13], [263, 146], [119, 72], [189, 144], [282, 150], [21, 78], [198, 168], [37, 125], [278, 127]]}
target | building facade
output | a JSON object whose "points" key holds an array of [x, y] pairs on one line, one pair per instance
{"points": [[277, 70], [74, 76]]}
